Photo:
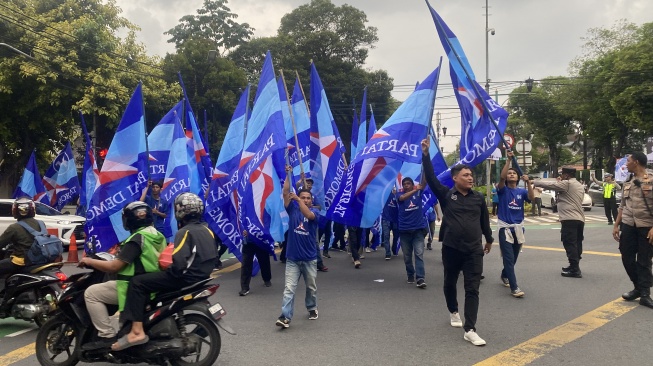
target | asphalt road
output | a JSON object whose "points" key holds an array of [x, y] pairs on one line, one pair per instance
{"points": [[370, 316]]}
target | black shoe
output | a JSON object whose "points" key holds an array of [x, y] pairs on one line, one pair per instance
{"points": [[646, 301], [267, 283], [631, 295], [429, 247], [102, 343], [610, 223], [411, 280], [323, 269], [482, 277], [421, 283], [326, 255], [572, 274], [566, 269], [243, 293]]}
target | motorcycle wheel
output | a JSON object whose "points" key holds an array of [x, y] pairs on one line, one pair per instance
{"points": [[42, 293], [57, 343], [208, 349]]}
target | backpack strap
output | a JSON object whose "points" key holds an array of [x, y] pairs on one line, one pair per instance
{"points": [[31, 230]]}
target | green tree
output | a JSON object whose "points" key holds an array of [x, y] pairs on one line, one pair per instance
{"points": [[213, 85], [214, 22], [337, 40], [70, 60], [539, 115]]}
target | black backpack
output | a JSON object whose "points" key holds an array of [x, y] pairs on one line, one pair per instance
{"points": [[46, 248]]}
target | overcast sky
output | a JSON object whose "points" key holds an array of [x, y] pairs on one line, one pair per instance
{"points": [[535, 38]]}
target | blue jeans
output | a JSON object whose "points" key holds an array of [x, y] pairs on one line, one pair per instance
{"points": [[386, 227], [413, 241], [295, 269], [510, 252]]}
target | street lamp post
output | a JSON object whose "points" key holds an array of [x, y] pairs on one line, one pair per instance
{"points": [[488, 31]]}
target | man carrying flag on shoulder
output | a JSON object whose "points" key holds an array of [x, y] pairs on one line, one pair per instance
{"points": [[412, 229]]}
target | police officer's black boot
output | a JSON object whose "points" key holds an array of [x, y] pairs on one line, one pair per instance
{"points": [[631, 295], [645, 298]]}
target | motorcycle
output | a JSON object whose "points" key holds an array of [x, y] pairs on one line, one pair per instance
{"points": [[31, 294], [182, 327]]}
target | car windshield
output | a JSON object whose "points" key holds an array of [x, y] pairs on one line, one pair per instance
{"points": [[46, 210]]}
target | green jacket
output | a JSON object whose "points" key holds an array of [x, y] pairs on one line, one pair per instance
{"points": [[152, 244]]}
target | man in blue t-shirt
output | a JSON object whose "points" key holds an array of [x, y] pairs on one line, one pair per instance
{"points": [[389, 223], [511, 218], [301, 252], [160, 208], [412, 228]]}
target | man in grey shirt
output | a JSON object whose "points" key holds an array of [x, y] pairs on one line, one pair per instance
{"points": [[570, 210]]}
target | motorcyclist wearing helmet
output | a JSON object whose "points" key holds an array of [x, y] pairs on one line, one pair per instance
{"points": [[193, 260], [23, 209], [139, 254]]}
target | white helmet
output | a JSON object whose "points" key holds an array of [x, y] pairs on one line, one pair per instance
{"points": [[188, 205]]}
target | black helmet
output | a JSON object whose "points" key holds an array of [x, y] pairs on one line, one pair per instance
{"points": [[23, 207], [187, 206], [136, 215]]}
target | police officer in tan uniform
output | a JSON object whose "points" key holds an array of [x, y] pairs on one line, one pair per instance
{"points": [[636, 238]]}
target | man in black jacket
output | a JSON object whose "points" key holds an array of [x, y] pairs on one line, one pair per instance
{"points": [[193, 260], [466, 221]]}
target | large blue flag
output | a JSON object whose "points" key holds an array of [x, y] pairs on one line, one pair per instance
{"points": [[354, 136], [199, 161], [262, 165], [372, 130], [122, 177], [60, 180], [479, 136], [31, 184], [327, 150], [371, 176], [90, 173], [303, 128], [167, 145], [160, 140], [222, 200]]}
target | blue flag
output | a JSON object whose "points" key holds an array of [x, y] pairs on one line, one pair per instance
{"points": [[327, 162], [371, 176], [222, 200], [60, 180], [303, 127], [30, 184], [479, 136], [122, 178], [167, 145], [372, 130], [262, 165], [354, 136], [199, 161], [90, 173]]}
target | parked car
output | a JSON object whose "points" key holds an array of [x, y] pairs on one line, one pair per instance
{"points": [[65, 224], [549, 199], [596, 192]]}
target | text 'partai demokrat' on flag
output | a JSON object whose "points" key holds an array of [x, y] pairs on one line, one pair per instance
{"points": [[122, 178], [371, 176]]}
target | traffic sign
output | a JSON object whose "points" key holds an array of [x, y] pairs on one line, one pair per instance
{"points": [[524, 160], [523, 147], [509, 139]]}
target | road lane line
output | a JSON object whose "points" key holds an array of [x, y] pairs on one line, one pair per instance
{"points": [[534, 348], [18, 354], [21, 332], [584, 252]]}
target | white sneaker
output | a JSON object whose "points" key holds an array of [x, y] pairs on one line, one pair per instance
{"points": [[471, 336], [455, 320], [367, 250]]}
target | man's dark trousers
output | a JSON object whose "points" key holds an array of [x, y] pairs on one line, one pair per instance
{"points": [[249, 251], [471, 264], [610, 206], [571, 234], [636, 254]]}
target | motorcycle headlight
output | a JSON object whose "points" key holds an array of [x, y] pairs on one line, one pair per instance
{"points": [[63, 222]]}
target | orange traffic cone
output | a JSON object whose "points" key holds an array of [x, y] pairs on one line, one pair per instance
{"points": [[72, 250]]}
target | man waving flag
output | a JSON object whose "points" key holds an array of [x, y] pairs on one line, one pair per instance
{"points": [[371, 176]]}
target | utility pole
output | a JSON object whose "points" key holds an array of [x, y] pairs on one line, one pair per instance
{"points": [[488, 164]]}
